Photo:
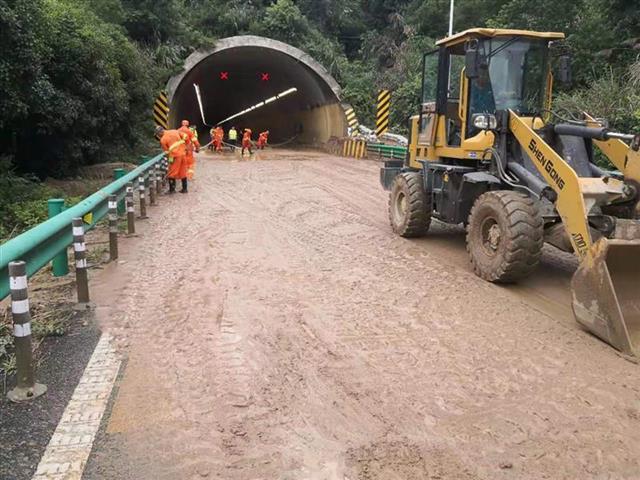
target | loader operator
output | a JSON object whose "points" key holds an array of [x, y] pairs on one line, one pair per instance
{"points": [[481, 93], [192, 145], [173, 143]]}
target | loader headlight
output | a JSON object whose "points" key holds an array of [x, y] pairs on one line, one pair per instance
{"points": [[484, 121]]}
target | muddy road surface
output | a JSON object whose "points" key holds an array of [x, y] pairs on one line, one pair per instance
{"points": [[275, 328]]}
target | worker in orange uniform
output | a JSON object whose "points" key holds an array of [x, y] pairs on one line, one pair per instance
{"points": [[174, 143], [194, 130], [246, 141], [196, 146], [219, 138], [262, 139], [192, 145]]}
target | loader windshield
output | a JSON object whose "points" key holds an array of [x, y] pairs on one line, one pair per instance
{"points": [[517, 72]]}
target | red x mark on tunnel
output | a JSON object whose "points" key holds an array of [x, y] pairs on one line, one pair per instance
{"points": [[224, 75], [265, 76]]}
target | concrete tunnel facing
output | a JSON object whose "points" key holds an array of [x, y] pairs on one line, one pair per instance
{"points": [[243, 71]]}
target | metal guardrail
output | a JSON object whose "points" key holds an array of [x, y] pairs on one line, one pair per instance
{"points": [[387, 151], [39, 245]]}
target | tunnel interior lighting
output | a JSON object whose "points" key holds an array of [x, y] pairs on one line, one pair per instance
{"points": [[257, 105], [199, 97]]}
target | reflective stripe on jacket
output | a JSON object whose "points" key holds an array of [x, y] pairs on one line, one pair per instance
{"points": [[174, 143]]}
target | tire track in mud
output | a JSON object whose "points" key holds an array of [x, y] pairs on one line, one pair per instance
{"points": [[384, 357], [324, 240]]}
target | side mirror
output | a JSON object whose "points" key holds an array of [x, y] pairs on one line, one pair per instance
{"points": [[564, 69], [472, 61]]}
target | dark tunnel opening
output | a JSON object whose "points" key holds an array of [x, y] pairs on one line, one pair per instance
{"points": [[242, 72]]}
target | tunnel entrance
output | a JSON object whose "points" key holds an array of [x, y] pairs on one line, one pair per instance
{"points": [[245, 71]]}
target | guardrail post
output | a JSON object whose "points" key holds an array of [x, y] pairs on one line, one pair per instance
{"points": [[152, 186], [60, 262], [159, 179], [26, 388], [80, 255], [141, 196], [113, 227], [131, 211], [119, 173], [165, 170]]}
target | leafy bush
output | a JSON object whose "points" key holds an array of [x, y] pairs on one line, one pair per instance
{"points": [[609, 96], [25, 202]]}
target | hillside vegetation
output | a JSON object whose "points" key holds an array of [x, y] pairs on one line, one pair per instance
{"points": [[78, 76]]}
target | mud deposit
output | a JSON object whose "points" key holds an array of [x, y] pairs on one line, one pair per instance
{"points": [[275, 328]]}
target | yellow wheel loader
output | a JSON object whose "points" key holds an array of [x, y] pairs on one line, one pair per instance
{"points": [[487, 151]]}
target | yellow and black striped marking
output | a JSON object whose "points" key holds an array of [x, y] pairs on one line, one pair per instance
{"points": [[352, 120], [382, 112], [354, 148], [161, 110]]}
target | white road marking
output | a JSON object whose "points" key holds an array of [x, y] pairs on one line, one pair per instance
{"points": [[71, 443]]}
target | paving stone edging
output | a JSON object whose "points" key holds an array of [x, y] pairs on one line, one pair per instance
{"points": [[69, 448]]}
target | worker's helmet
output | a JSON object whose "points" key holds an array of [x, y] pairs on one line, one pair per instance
{"points": [[159, 131], [185, 123]]}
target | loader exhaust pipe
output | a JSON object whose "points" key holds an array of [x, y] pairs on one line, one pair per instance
{"points": [[606, 294]]}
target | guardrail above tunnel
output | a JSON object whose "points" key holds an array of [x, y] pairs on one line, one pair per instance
{"points": [[245, 71]]}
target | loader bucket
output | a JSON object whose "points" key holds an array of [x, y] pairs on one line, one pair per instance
{"points": [[606, 293]]}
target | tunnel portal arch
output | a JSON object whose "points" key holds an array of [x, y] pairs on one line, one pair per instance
{"points": [[310, 115]]}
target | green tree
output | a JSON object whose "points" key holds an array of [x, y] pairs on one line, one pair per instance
{"points": [[75, 85], [284, 21]]}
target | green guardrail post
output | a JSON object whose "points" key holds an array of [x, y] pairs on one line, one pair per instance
{"points": [[119, 173], [60, 262]]}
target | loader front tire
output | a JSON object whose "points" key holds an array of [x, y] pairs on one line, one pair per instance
{"points": [[504, 236], [409, 205]]}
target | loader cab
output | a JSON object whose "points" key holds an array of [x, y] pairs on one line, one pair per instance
{"points": [[470, 78], [506, 73]]}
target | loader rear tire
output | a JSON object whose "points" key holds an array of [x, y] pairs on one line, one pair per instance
{"points": [[504, 236], [409, 205]]}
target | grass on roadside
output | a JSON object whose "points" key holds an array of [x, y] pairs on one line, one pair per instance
{"points": [[51, 301]]}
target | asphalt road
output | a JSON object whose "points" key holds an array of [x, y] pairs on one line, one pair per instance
{"points": [[25, 429]]}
